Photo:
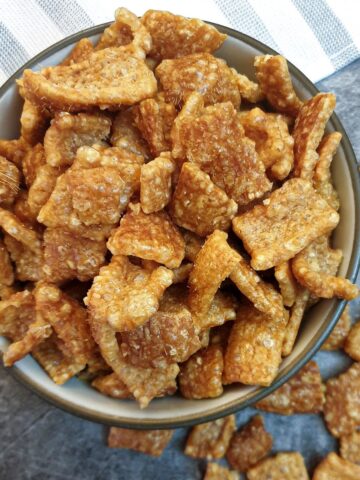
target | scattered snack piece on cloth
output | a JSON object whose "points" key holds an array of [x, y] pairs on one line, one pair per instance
{"points": [[350, 447], [151, 442], [352, 342], [155, 183], [334, 467], [9, 181], [296, 315], [214, 471], [112, 386], [287, 283], [283, 466], [337, 337]]}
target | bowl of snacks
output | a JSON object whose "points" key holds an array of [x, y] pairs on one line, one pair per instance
{"points": [[179, 217]]}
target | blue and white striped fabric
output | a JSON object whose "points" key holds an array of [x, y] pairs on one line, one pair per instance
{"points": [[318, 36]]}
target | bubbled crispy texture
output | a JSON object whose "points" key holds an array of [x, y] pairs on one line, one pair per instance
{"points": [[151, 442], [283, 466], [14, 150], [249, 445], [68, 256], [42, 187], [152, 237], [287, 283], [112, 386], [125, 134], [248, 89], [210, 440], [350, 447], [34, 123], [214, 471], [198, 72], [13, 227], [341, 330], [175, 36], [6, 269], [275, 81], [303, 393], [290, 219], [315, 268], [9, 181], [333, 467], [308, 131], [155, 183], [200, 376], [296, 315], [352, 343], [23, 212], [32, 161], [80, 52], [342, 405], [28, 263], [193, 244], [222, 308], [198, 204]]}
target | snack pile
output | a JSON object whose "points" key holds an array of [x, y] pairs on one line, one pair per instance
{"points": [[166, 221]]}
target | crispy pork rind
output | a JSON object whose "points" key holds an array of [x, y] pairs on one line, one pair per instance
{"points": [[28, 264], [287, 283], [283, 466], [350, 447], [334, 467], [198, 72], [6, 268], [193, 244], [125, 134], [303, 393], [249, 445], [9, 181], [32, 161], [175, 36], [214, 471], [34, 123], [308, 131], [222, 308], [14, 150], [152, 237], [181, 274], [253, 352], [80, 52], [69, 132], [200, 377], [274, 78], [151, 442], [215, 261], [273, 142], [248, 89], [42, 187], [296, 315], [14, 228], [352, 343], [337, 337], [315, 268], [210, 440], [198, 204], [155, 183], [290, 219], [322, 174], [342, 405], [112, 386], [22, 211]]}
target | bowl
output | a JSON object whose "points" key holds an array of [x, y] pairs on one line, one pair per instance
{"points": [[78, 397]]}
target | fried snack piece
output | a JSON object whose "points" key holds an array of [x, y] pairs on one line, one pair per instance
{"points": [[308, 131], [22, 211], [80, 52], [290, 219], [210, 440], [222, 308], [154, 117], [175, 36], [181, 274], [155, 183], [337, 337], [315, 267], [283, 466], [334, 467], [112, 386], [342, 405], [287, 283], [14, 150], [322, 175], [32, 161], [198, 72], [34, 123], [198, 204], [9, 181], [214, 471], [253, 352], [296, 315], [249, 445], [13, 227], [6, 292], [193, 244], [125, 134], [248, 89], [303, 393], [215, 261], [200, 376], [68, 256], [42, 187], [350, 447], [151, 442], [352, 342], [274, 78], [273, 142], [69, 132], [28, 264], [6, 269], [152, 237]]}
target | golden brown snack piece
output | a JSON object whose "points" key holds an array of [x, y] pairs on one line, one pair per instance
{"points": [[341, 330], [9, 181], [352, 342], [214, 471], [42, 187], [151, 442], [125, 134], [248, 89], [69, 132], [210, 440], [68, 256], [342, 405], [296, 315], [34, 123], [222, 308], [274, 78], [22, 211], [32, 161], [215, 261], [253, 352], [193, 244], [303, 393], [14, 228], [283, 466], [308, 131], [290, 219], [273, 142], [152, 237], [181, 274], [14, 150], [198, 72], [333, 467], [200, 376], [287, 283], [198, 204], [322, 174], [6, 269], [315, 268], [155, 183], [249, 445], [80, 52], [112, 386], [175, 36], [350, 447], [28, 263]]}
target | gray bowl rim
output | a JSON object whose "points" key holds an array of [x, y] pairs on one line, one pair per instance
{"points": [[297, 363]]}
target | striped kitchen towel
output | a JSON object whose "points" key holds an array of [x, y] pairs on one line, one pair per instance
{"points": [[318, 36]]}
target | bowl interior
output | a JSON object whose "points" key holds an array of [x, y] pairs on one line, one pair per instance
{"points": [[77, 397]]}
